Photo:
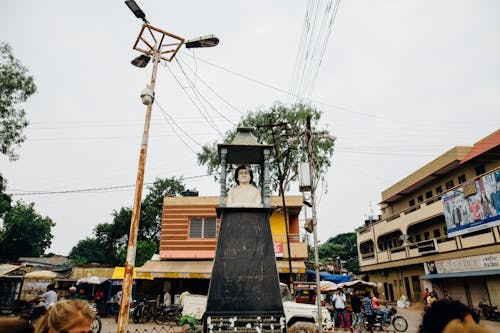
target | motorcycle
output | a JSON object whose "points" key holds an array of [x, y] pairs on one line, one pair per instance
{"points": [[399, 323], [96, 323], [144, 311], [488, 312], [167, 313], [33, 311]]}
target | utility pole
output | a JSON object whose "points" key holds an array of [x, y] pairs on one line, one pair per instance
{"points": [[160, 45], [309, 136]]}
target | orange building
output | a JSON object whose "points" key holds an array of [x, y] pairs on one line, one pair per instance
{"points": [[189, 232]]}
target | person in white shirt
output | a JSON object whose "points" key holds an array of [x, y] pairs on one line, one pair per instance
{"points": [[339, 302], [50, 296], [167, 299]]}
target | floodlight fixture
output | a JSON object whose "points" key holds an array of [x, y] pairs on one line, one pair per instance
{"points": [[134, 7], [203, 41], [141, 61]]}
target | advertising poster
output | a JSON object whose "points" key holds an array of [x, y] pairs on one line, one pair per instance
{"points": [[476, 208]]}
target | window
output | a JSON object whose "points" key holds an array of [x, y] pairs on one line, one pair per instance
{"points": [[461, 179], [420, 199], [428, 194], [437, 233], [439, 189], [450, 184], [418, 238], [411, 202], [202, 227], [480, 170], [426, 235]]}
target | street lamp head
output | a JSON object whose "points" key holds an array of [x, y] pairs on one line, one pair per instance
{"points": [[141, 61], [203, 41], [134, 7]]}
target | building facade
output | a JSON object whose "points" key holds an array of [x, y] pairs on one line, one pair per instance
{"points": [[189, 232], [439, 228]]}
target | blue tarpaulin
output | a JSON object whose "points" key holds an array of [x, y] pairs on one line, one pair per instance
{"points": [[325, 276]]}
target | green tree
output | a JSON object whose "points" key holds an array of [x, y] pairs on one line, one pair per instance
{"points": [[90, 250], [5, 199], [25, 233], [285, 128], [342, 246], [112, 238], [16, 86]]}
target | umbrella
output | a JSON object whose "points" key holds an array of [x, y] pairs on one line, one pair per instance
{"points": [[93, 280]]}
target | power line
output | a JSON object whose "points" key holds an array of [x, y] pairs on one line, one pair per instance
{"points": [[95, 189], [205, 116]]}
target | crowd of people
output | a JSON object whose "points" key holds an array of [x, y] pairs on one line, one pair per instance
{"points": [[441, 315], [364, 306]]}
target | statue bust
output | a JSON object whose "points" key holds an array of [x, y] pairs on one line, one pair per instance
{"points": [[245, 193]]}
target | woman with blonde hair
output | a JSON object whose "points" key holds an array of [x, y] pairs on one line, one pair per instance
{"points": [[68, 316]]}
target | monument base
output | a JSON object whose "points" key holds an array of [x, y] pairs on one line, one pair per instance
{"points": [[244, 289]]}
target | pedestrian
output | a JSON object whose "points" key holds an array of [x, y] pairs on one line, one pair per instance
{"points": [[426, 294], [431, 298], [367, 309], [356, 308], [71, 315], [446, 296], [72, 293], [339, 300], [167, 298], [81, 294]]}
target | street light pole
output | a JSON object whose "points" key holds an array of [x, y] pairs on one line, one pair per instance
{"points": [[136, 211], [160, 45]]}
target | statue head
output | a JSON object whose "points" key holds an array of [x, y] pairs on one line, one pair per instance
{"points": [[237, 172]]}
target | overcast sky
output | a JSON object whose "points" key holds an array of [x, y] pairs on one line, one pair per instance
{"points": [[400, 83]]}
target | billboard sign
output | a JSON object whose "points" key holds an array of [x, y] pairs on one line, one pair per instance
{"points": [[471, 211]]}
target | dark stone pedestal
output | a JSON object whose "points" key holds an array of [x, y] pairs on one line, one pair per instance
{"points": [[244, 289]]}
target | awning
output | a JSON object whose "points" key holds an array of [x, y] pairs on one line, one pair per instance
{"points": [[177, 269], [199, 269], [119, 272], [297, 266], [460, 274]]}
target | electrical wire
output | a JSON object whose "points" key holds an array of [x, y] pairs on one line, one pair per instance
{"points": [[95, 189], [213, 91], [203, 97], [193, 102]]}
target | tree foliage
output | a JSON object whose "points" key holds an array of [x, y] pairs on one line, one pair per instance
{"points": [[343, 246], [25, 233], [89, 250], [5, 199], [284, 128], [16, 86], [111, 239]]}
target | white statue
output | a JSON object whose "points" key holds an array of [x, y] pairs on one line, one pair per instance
{"points": [[245, 193]]}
